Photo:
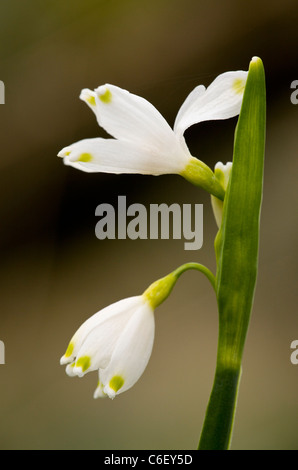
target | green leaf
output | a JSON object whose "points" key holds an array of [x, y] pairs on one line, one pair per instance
{"points": [[239, 237], [236, 249]]}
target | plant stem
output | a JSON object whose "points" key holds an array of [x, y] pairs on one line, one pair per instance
{"points": [[198, 267], [218, 425]]}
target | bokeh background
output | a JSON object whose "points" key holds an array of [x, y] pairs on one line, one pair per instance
{"points": [[54, 271]]}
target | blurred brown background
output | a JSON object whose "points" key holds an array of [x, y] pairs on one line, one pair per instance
{"points": [[55, 273]]}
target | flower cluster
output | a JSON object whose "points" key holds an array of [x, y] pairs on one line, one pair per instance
{"points": [[117, 341]]}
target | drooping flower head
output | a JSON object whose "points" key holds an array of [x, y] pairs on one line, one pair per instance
{"points": [[117, 341], [143, 142]]}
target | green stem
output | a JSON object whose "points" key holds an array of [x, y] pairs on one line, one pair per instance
{"points": [[217, 429], [197, 267], [218, 425], [159, 290]]}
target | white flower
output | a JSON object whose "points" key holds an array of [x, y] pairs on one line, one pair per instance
{"points": [[117, 341], [222, 172], [143, 141]]}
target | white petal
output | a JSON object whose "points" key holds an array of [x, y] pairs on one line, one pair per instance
{"points": [[115, 156], [101, 340], [186, 107], [221, 100], [122, 306], [131, 354], [69, 370], [129, 117], [89, 97], [99, 393]]}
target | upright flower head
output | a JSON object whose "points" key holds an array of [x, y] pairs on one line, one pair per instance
{"points": [[143, 141], [117, 341]]}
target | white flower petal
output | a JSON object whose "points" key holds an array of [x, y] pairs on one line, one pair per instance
{"points": [[100, 342], [69, 370], [124, 305], [89, 97], [221, 100], [115, 156], [186, 108], [99, 393], [131, 354], [132, 118]]}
